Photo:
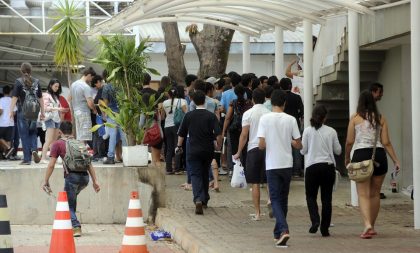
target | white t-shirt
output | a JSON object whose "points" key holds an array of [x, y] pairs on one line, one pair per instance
{"points": [[178, 103], [298, 82], [251, 118], [319, 149], [5, 120], [278, 129]]}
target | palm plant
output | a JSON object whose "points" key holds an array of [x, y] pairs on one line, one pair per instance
{"points": [[127, 65], [68, 42]]}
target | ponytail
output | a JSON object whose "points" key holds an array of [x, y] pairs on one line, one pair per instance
{"points": [[26, 69]]}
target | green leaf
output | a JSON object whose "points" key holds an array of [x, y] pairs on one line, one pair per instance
{"points": [[95, 128]]}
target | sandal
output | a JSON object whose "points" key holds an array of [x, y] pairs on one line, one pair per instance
{"points": [[372, 232], [188, 187], [365, 234]]}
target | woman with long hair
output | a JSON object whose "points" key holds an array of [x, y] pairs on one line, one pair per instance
{"points": [[174, 102], [53, 110], [233, 119], [320, 143], [363, 127]]}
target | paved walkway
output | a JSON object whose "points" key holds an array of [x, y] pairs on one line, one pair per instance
{"points": [[95, 239], [227, 227]]}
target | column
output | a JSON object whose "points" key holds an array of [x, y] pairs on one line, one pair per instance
{"points": [[87, 16], [279, 53], [415, 104], [354, 77], [307, 72], [136, 31], [246, 54]]}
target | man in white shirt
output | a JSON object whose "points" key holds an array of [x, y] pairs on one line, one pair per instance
{"points": [[6, 123], [276, 131], [255, 158]]}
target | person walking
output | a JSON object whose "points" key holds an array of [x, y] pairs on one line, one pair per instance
{"points": [[320, 143], [203, 131], [27, 89], [363, 127], [6, 124], [175, 102], [74, 181], [277, 133], [52, 115], [255, 159]]}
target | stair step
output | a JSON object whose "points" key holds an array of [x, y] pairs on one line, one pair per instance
{"points": [[364, 66], [365, 56]]}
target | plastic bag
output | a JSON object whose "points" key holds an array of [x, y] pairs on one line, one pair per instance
{"points": [[238, 176]]}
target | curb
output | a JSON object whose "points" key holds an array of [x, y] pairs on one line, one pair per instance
{"points": [[183, 237]]}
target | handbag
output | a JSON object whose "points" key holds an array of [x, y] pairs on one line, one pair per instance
{"points": [[178, 114], [362, 171], [153, 134]]}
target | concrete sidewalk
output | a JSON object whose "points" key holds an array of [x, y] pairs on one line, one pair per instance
{"points": [[227, 227], [95, 239]]}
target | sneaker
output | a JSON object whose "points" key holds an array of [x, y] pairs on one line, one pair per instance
{"points": [[25, 163], [284, 237], [36, 157], [222, 172], [109, 161], [77, 232], [44, 161], [199, 208], [9, 152], [383, 196]]}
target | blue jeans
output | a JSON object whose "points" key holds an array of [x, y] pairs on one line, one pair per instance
{"points": [[200, 179], [297, 162], [278, 181], [115, 134], [74, 183], [27, 131]]}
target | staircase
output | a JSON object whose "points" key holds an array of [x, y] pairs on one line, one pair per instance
{"points": [[333, 91]]}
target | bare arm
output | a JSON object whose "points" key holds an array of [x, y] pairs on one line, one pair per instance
{"points": [[91, 105], [50, 169], [12, 107], [242, 141], [289, 72], [297, 143], [180, 141], [261, 143], [92, 174], [228, 118], [386, 142], [349, 141]]}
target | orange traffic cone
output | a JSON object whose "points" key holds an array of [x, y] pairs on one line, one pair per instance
{"points": [[62, 240], [134, 240]]}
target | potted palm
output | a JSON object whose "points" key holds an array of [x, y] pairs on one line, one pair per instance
{"points": [[127, 65]]}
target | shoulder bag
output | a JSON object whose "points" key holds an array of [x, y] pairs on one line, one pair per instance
{"points": [[362, 171]]}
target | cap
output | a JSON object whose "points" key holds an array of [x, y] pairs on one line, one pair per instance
{"points": [[212, 80]]}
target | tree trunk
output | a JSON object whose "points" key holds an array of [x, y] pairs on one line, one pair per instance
{"points": [[212, 45], [174, 52]]}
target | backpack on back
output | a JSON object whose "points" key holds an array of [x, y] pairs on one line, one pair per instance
{"points": [[77, 157], [30, 106], [236, 123]]}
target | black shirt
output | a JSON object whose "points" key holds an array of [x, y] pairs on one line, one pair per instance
{"points": [[146, 93], [202, 127], [294, 106], [20, 93]]}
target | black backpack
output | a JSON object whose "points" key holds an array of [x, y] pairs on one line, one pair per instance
{"points": [[236, 123], [30, 106]]}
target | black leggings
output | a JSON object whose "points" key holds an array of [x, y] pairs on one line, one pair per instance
{"points": [[171, 141], [320, 175]]}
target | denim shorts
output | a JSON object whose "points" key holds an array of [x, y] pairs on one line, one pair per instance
{"points": [[52, 124]]}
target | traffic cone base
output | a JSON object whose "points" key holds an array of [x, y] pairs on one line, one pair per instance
{"points": [[6, 245], [134, 240], [62, 240]]}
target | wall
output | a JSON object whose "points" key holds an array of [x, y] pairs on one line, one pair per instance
{"points": [[384, 24], [395, 106], [260, 64], [28, 204]]}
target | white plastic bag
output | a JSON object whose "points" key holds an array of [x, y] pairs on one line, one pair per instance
{"points": [[238, 176]]}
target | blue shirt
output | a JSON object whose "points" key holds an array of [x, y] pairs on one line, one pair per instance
{"points": [[227, 97], [109, 93]]}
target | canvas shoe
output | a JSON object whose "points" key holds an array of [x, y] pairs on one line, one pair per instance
{"points": [[77, 231], [199, 208], [284, 237], [36, 157]]}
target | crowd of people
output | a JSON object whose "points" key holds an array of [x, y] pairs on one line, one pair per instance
{"points": [[208, 125]]}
